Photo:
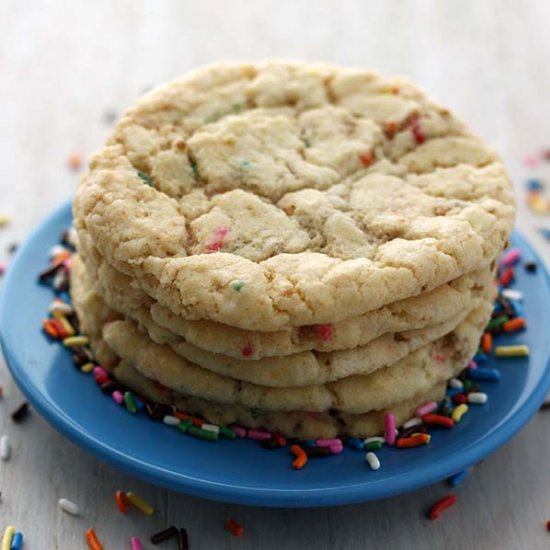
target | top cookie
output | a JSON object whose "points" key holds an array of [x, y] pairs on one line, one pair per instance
{"points": [[277, 194]]}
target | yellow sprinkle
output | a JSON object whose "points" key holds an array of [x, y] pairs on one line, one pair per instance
{"points": [[66, 325], [4, 219], [73, 341], [512, 351], [87, 368], [421, 433], [539, 207], [459, 412], [7, 538], [140, 504]]}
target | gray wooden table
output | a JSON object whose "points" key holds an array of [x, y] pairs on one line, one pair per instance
{"points": [[65, 65]]}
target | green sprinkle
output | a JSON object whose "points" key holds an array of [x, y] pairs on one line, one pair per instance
{"points": [[497, 322], [184, 425], [194, 169], [130, 402], [467, 385], [202, 434], [226, 432], [146, 178], [373, 446], [238, 286]]}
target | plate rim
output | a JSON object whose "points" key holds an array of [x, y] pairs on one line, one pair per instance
{"points": [[245, 495]]}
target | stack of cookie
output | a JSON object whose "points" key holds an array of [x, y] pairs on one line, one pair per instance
{"points": [[301, 248]]}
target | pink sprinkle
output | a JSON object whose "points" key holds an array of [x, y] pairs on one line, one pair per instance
{"points": [[390, 429], [417, 132], [328, 442], [472, 364], [259, 435], [513, 256], [219, 234], [239, 431], [100, 371], [136, 544], [247, 350], [2, 269], [118, 398], [324, 331], [336, 449], [530, 160], [427, 408]]}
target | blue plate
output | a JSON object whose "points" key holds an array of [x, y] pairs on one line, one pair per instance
{"points": [[241, 471]]}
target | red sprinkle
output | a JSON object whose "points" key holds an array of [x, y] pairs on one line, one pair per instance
{"points": [[460, 398], [416, 130], [324, 331], [121, 502], [390, 128], [548, 525], [507, 276], [367, 158], [440, 505], [219, 234], [74, 161], [438, 420], [247, 350], [236, 529]]}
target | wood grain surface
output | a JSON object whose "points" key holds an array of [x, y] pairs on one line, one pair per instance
{"points": [[65, 67]]}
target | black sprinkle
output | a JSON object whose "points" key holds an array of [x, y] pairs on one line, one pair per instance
{"points": [[20, 413], [109, 116], [530, 267], [413, 430], [545, 406], [12, 248], [269, 444], [183, 543], [164, 535], [317, 452]]}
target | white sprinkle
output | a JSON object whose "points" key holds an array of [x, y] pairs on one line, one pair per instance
{"points": [[511, 294], [170, 420], [375, 439], [72, 236], [5, 448], [455, 384], [68, 506], [412, 422], [211, 428], [372, 461], [59, 279], [478, 398], [61, 307]]}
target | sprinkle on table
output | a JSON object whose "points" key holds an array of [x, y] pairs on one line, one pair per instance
{"points": [[135, 544], [183, 542], [74, 161], [165, 534], [235, 528], [446, 502], [17, 541], [141, 504], [7, 538], [68, 506], [92, 540], [122, 503], [21, 412]]}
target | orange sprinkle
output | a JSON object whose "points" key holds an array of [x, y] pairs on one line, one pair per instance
{"points": [[487, 342], [50, 329], [60, 257], [121, 502], [184, 416], [75, 161], [413, 441], [367, 158], [390, 128], [92, 540], [514, 324], [301, 457]]}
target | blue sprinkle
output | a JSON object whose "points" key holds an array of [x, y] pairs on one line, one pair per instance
{"points": [[309, 443], [356, 443], [454, 391], [457, 479], [534, 185], [484, 374], [545, 232], [139, 403], [17, 541], [480, 358]]}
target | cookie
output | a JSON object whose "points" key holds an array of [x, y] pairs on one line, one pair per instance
{"points": [[291, 424], [300, 369], [274, 195], [421, 311]]}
